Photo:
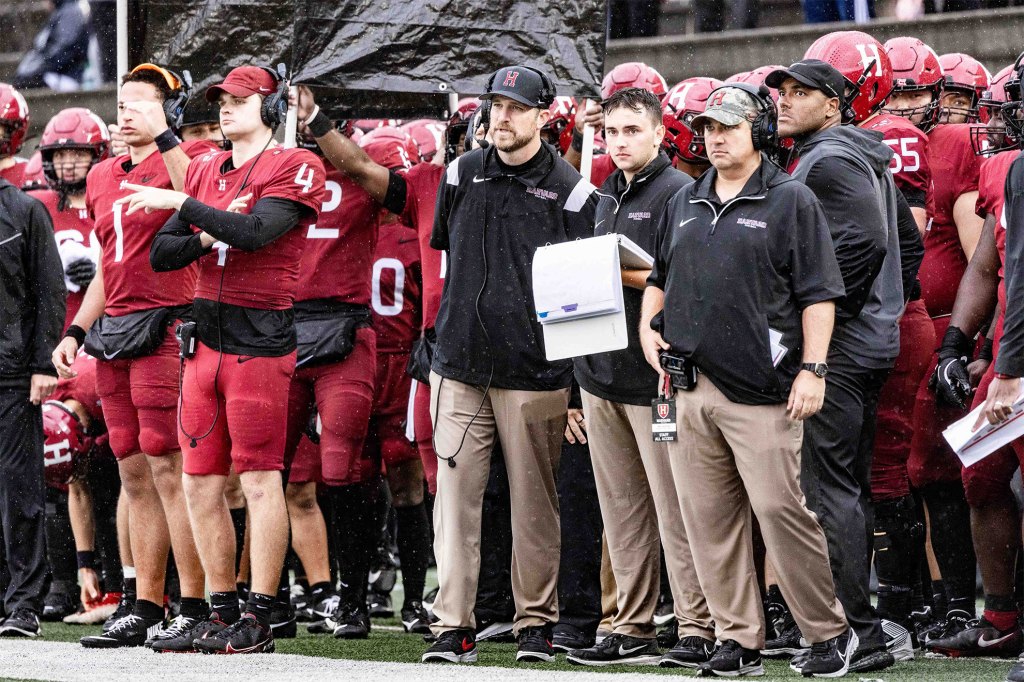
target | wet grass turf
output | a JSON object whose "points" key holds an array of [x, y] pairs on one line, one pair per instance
{"points": [[393, 646]]}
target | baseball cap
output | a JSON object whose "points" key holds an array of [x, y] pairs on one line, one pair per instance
{"points": [[813, 73], [242, 82], [520, 83], [729, 106]]}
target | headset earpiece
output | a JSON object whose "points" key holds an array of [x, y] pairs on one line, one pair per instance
{"points": [[275, 106]]}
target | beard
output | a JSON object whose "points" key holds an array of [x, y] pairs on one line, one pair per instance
{"points": [[515, 144]]}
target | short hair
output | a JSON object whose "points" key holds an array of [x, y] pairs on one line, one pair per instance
{"points": [[638, 100], [152, 78]]}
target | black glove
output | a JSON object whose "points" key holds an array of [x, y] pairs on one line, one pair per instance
{"points": [[951, 382], [81, 272]]}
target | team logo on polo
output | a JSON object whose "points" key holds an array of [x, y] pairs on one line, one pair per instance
{"points": [[510, 79], [663, 410], [222, 184]]}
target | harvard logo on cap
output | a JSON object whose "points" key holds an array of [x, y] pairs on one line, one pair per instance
{"points": [[716, 99], [663, 410], [510, 79]]}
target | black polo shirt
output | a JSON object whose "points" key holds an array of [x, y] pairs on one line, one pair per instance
{"points": [[633, 209], [491, 218], [731, 271]]}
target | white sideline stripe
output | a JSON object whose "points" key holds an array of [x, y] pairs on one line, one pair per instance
{"points": [[70, 662]]}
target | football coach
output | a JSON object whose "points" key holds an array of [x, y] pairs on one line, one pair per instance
{"points": [[495, 207], [742, 340]]}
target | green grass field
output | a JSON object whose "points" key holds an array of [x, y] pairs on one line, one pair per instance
{"points": [[394, 646]]}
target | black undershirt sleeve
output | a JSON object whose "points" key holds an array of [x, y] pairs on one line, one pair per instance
{"points": [[270, 218], [175, 246], [394, 199]]}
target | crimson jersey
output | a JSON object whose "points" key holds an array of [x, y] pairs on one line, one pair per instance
{"points": [[129, 281], [339, 246], [601, 168], [991, 184], [421, 182], [909, 166], [15, 174], [395, 301], [955, 169], [73, 230], [267, 277], [82, 386]]}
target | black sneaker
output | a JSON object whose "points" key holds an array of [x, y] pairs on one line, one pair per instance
{"points": [[668, 636], [535, 645], [980, 638], [453, 646], [129, 631], [282, 621], [618, 649], [57, 605], [351, 624], [327, 607], [689, 652], [955, 622], [125, 607], [665, 611], [831, 658], [871, 660], [21, 623], [789, 643], [323, 626], [379, 605], [184, 642], [173, 629], [732, 660], [244, 636], [566, 637], [299, 597], [415, 619], [1016, 673]]}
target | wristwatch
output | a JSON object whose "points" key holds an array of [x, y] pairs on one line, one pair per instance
{"points": [[820, 369]]}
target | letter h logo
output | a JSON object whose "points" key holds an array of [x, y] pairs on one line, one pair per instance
{"points": [[510, 79]]}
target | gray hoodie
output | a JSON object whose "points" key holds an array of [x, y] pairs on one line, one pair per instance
{"points": [[847, 168]]}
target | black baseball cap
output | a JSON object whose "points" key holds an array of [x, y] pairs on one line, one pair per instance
{"points": [[520, 83], [813, 73]]}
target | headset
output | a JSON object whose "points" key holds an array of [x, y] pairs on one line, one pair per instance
{"points": [[764, 129], [547, 93], [275, 107], [181, 90]]}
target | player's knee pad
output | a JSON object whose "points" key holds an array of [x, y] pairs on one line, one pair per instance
{"points": [[898, 533], [158, 431], [123, 439]]}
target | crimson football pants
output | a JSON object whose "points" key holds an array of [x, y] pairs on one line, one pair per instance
{"points": [[425, 435], [232, 411], [391, 408]]}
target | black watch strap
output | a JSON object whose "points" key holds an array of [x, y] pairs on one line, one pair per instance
{"points": [[819, 369]]}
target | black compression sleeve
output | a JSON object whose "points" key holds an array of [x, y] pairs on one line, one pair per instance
{"points": [[175, 246], [394, 200], [270, 218]]}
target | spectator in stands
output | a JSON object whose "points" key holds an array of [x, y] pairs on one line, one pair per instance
{"points": [[824, 11], [59, 51], [719, 15]]}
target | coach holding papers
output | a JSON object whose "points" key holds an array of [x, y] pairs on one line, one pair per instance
{"points": [[756, 324], [495, 207]]}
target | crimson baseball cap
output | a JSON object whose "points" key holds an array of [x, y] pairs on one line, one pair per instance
{"points": [[242, 82], [520, 83]]}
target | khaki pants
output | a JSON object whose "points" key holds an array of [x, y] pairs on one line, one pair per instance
{"points": [[641, 513], [729, 459], [530, 425]]}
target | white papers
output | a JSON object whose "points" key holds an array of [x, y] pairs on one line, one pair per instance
{"points": [[631, 256], [577, 279], [973, 446], [778, 351]]}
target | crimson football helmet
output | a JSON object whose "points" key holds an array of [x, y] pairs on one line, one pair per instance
{"points": [[33, 178], [963, 73], [558, 129], [428, 134], [65, 444], [14, 118], [458, 125], [74, 128], [1013, 109], [915, 68], [390, 147], [633, 75], [756, 78], [684, 102], [989, 136], [864, 63]]}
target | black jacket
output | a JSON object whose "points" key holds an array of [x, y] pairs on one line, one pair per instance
{"points": [[733, 271], [60, 47], [491, 218], [31, 288], [632, 209], [1011, 347]]}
